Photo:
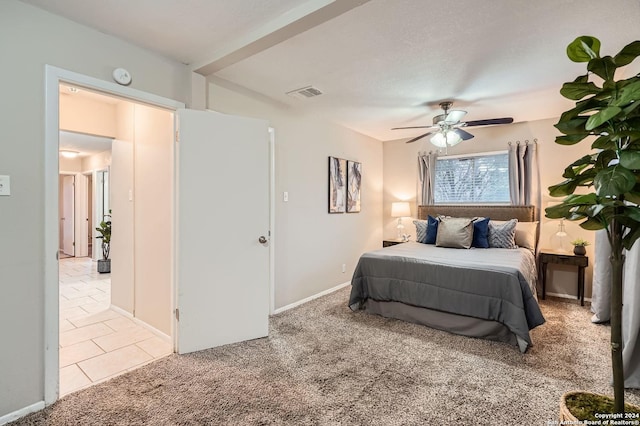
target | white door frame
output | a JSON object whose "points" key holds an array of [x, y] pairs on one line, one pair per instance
{"points": [[53, 77]]}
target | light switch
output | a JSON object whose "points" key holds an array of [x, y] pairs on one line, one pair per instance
{"points": [[131, 195], [5, 185], [285, 196]]}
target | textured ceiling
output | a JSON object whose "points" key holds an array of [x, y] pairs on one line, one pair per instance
{"points": [[380, 63]]}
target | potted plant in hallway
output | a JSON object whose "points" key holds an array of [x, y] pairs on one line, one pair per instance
{"points": [[608, 179], [104, 264]]}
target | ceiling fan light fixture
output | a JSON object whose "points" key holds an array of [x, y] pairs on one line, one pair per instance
{"points": [[439, 140], [446, 138]]}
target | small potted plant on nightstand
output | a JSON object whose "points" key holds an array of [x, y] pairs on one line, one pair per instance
{"points": [[104, 264], [579, 246]]}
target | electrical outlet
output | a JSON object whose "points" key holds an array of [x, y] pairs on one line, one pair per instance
{"points": [[285, 196], [344, 268]]}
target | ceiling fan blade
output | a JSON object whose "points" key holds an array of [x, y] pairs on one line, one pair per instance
{"points": [[505, 120], [415, 127], [465, 136], [419, 137], [454, 116]]}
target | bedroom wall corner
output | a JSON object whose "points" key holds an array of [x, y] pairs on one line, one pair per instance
{"points": [[311, 245]]}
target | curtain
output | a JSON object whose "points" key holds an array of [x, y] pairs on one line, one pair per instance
{"points": [[601, 303], [426, 177], [524, 175]]}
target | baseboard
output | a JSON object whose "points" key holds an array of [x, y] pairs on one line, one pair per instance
{"points": [[21, 412], [310, 298], [567, 296], [141, 323]]}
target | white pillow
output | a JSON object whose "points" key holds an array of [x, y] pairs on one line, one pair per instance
{"points": [[525, 233]]}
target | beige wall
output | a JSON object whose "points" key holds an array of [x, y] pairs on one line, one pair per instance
{"points": [[400, 177], [121, 186], [85, 115], [153, 219], [99, 161], [310, 244], [29, 39]]}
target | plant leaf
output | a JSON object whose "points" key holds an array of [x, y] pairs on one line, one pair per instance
{"points": [[602, 116], [592, 224], [614, 181], [604, 68], [565, 188], [628, 53], [603, 142], [577, 91], [604, 158], [631, 238], [630, 160], [571, 139], [573, 126], [628, 93], [583, 49]]}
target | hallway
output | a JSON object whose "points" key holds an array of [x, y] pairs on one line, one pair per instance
{"points": [[96, 342]]}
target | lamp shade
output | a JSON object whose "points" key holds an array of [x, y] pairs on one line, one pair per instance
{"points": [[400, 209]]}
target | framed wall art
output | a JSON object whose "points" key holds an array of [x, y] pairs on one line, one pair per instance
{"points": [[354, 179], [337, 185]]}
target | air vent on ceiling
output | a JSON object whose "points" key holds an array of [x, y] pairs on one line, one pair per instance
{"points": [[305, 92]]}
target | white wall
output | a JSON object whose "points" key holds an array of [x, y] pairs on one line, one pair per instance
{"points": [[310, 244], [29, 39], [400, 177]]}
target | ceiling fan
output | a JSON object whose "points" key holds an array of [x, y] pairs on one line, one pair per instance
{"points": [[447, 126]]}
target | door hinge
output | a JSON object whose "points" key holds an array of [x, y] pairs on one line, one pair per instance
{"points": [[178, 314], [73, 244], [177, 136]]}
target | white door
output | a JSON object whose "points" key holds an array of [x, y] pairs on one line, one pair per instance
{"points": [[222, 276], [68, 218]]}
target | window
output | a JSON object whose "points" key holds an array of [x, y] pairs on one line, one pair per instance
{"points": [[472, 179]]}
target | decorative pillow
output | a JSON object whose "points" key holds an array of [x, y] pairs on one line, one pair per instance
{"points": [[421, 231], [525, 233], [455, 233], [502, 235], [480, 233], [432, 230]]}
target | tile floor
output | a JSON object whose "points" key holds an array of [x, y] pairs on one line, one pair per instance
{"points": [[97, 343]]}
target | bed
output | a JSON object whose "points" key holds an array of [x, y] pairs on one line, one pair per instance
{"points": [[487, 293]]}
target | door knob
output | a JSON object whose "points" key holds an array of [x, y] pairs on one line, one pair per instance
{"points": [[262, 240]]}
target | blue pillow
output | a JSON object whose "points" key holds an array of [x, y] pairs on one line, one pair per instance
{"points": [[432, 230], [480, 233]]}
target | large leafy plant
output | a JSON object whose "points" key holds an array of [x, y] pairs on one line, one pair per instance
{"points": [[608, 111]]}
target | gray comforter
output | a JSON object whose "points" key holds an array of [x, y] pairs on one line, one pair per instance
{"points": [[491, 284]]}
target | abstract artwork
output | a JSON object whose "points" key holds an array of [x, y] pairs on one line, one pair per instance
{"points": [[337, 184], [354, 178]]}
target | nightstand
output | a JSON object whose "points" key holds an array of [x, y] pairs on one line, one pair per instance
{"points": [[393, 242], [581, 262]]}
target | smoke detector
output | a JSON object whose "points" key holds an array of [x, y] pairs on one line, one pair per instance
{"points": [[305, 92]]}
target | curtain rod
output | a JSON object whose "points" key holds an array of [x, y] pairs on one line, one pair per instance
{"points": [[526, 142]]}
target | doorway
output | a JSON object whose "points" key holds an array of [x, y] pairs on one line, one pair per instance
{"points": [[209, 162], [113, 321]]}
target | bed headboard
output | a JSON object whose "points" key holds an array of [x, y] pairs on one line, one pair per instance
{"points": [[522, 213]]}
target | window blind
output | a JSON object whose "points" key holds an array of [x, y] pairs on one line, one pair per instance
{"points": [[472, 179]]}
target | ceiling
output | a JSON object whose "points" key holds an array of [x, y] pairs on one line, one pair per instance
{"points": [[379, 63]]}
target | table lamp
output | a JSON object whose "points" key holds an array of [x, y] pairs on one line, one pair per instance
{"points": [[400, 210]]}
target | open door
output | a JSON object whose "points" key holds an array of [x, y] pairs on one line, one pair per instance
{"points": [[222, 277], [68, 217]]}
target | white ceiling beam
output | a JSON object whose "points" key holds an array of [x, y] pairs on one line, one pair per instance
{"points": [[295, 21]]}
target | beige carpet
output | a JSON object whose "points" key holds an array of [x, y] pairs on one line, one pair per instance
{"points": [[325, 365]]}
